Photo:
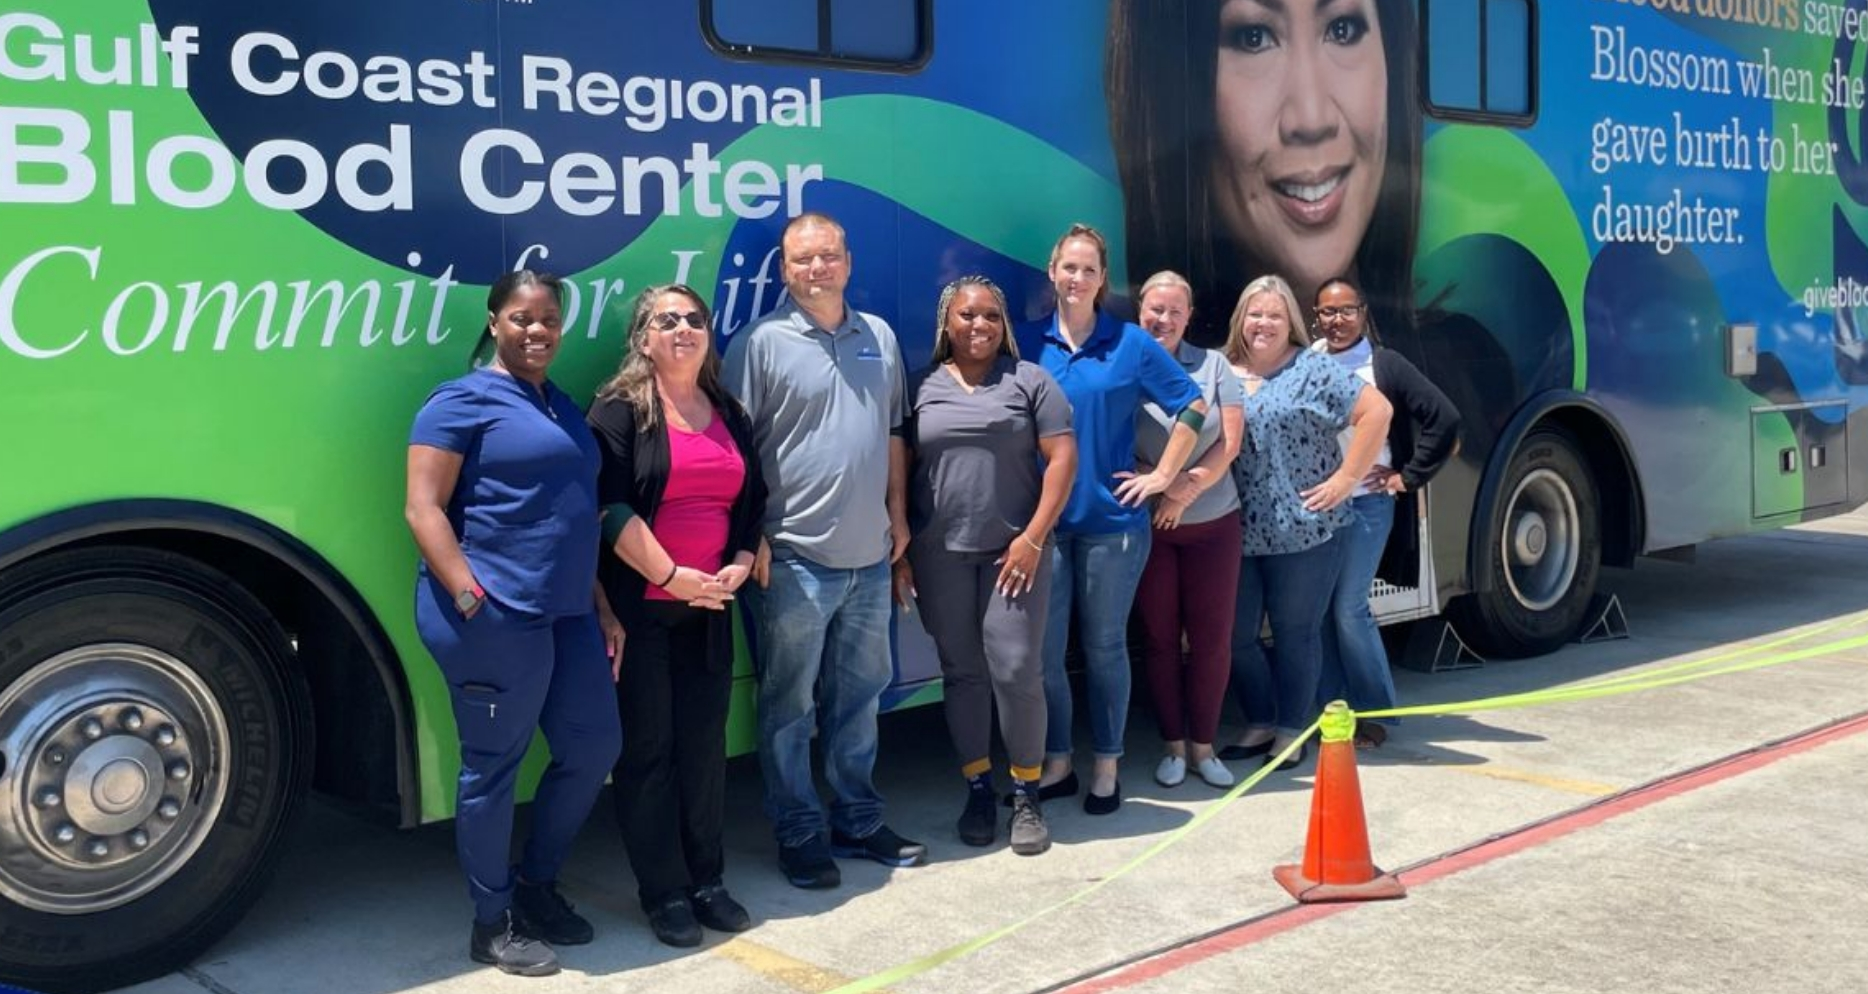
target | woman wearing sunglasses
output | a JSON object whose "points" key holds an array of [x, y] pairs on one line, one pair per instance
{"points": [[682, 502]]}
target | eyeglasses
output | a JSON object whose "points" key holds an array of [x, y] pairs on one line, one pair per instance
{"points": [[670, 320], [1332, 313]]}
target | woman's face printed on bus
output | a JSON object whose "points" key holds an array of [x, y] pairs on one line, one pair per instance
{"points": [[677, 336], [1077, 273], [527, 332], [975, 325], [1340, 316], [1164, 312], [1302, 126]]}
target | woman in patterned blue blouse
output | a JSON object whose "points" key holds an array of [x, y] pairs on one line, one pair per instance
{"points": [[1294, 479]]}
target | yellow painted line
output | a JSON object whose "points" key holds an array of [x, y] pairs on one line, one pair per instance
{"points": [[774, 965], [1588, 788]]}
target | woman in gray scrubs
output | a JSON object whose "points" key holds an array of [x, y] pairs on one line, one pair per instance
{"points": [[993, 460]]}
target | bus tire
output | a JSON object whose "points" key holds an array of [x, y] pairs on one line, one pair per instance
{"points": [[156, 744], [1540, 553]]}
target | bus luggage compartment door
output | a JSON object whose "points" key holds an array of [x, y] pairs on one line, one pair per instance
{"points": [[1799, 457]]}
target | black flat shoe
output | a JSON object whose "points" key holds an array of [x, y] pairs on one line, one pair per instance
{"points": [[674, 924], [716, 909], [1296, 760], [1236, 752], [1097, 804], [1066, 787]]}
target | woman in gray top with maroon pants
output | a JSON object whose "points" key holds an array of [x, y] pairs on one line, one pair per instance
{"points": [[993, 458]]}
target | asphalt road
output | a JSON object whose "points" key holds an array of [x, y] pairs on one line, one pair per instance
{"points": [[1747, 877]]}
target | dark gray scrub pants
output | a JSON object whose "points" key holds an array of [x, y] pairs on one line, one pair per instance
{"points": [[989, 651]]}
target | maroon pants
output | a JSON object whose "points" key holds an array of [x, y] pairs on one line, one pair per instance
{"points": [[1189, 585]]}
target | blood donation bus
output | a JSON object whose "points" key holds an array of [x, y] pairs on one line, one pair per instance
{"points": [[240, 242]]}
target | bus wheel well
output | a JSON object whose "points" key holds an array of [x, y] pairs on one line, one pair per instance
{"points": [[1618, 491], [359, 700]]}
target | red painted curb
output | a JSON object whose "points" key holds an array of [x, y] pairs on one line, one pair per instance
{"points": [[1446, 864]]}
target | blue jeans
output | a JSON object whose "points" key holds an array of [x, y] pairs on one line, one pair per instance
{"points": [[822, 652], [1355, 663], [1099, 574], [1292, 589]]}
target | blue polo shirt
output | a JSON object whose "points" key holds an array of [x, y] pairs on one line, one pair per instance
{"points": [[525, 506], [1106, 380]]}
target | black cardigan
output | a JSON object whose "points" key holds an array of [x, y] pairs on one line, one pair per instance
{"points": [[1421, 438], [634, 476]]}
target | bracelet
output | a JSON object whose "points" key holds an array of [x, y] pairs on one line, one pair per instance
{"points": [[1036, 545], [673, 568]]}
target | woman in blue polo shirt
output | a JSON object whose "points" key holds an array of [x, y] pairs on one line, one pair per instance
{"points": [[502, 499], [1107, 368]]}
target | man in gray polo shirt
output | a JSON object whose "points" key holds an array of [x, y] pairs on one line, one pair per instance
{"points": [[823, 384]]}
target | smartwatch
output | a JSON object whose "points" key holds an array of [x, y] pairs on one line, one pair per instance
{"points": [[468, 601]]}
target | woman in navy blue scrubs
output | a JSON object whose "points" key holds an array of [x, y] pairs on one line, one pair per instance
{"points": [[502, 499]]}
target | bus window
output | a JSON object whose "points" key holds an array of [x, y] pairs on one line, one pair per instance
{"points": [[1508, 51], [1481, 60], [886, 35]]}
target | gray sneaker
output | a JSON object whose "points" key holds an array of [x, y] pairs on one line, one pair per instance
{"points": [[1029, 834], [505, 946]]}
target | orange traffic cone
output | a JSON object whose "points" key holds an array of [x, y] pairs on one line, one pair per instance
{"points": [[1336, 856]]}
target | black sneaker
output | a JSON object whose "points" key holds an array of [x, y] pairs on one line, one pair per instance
{"points": [[881, 845], [1030, 836], [979, 822], [542, 913], [1066, 787], [716, 909], [502, 945], [672, 921], [809, 865]]}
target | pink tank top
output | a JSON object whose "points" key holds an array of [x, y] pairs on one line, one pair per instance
{"points": [[704, 475]]}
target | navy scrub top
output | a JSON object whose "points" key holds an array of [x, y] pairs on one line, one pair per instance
{"points": [[525, 506]]}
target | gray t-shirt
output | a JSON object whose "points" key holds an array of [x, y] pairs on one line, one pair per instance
{"points": [[1219, 387], [977, 471], [823, 405]]}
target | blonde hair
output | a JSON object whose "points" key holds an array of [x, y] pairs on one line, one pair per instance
{"points": [[943, 345], [1094, 237], [1165, 279], [635, 378], [1294, 318]]}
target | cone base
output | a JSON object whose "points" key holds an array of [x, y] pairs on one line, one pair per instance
{"points": [[1383, 887]]}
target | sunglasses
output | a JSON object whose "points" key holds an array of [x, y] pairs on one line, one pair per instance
{"points": [[670, 320]]}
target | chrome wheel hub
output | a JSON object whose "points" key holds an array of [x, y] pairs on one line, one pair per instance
{"points": [[1541, 542], [1529, 538], [115, 772]]}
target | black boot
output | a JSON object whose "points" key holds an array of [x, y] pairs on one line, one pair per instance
{"points": [[543, 913], [978, 823]]}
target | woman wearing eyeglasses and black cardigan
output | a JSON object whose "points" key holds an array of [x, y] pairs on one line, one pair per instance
{"points": [[682, 500], [1421, 438]]}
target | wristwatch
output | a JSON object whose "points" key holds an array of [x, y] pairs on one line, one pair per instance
{"points": [[468, 601]]}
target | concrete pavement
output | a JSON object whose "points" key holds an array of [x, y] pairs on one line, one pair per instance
{"points": [[359, 908], [1752, 883]]}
